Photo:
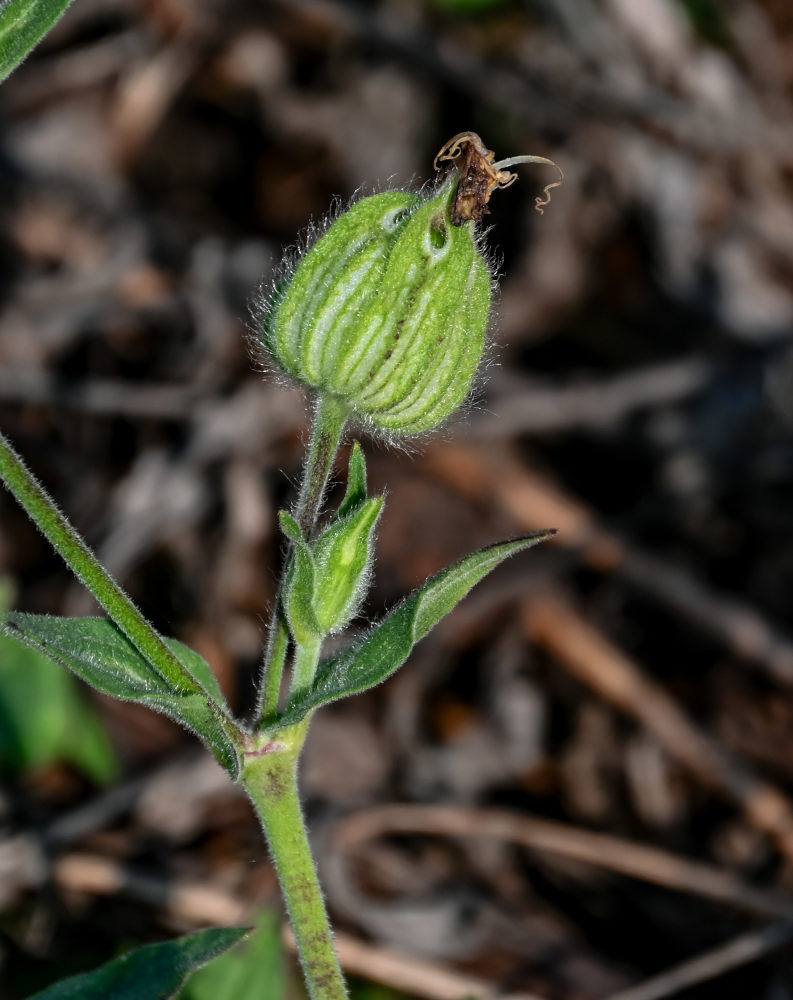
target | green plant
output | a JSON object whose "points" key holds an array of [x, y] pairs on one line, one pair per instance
{"points": [[383, 320]]}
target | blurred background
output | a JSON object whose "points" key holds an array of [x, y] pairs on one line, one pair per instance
{"points": [[582, 781]]}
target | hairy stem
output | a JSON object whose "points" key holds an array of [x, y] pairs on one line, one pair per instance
{"points": [[274, 660], [329, 419], [330, 416], [270, 779], [66, 541]]}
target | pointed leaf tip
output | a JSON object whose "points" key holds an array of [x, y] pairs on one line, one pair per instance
{"points": [[356, 482], [450, 586]]}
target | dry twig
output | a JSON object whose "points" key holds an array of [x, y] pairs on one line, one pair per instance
{"points": [[595, 661], [635, 860], [717, 962]]}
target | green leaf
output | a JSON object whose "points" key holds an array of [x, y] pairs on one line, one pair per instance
{"points": [[382, 651], [23, 23], [356, 482], [253, 971], [102, 656], [153, 972], [44, 717]]}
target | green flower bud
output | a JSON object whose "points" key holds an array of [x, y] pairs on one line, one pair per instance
{"points": [[342, 564], [387, 311], [326, 580]]}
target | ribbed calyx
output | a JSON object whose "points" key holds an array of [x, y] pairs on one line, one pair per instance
{"points": [[387, 311]]}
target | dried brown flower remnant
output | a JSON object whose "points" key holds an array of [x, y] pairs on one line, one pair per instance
{"points": [[480, 176]]}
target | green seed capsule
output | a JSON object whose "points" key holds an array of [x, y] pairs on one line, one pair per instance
{"points": [[388, 312]]}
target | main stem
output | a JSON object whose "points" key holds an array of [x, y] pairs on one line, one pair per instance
{"points": [[270, 779], [330, 416], [270, 774]]}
